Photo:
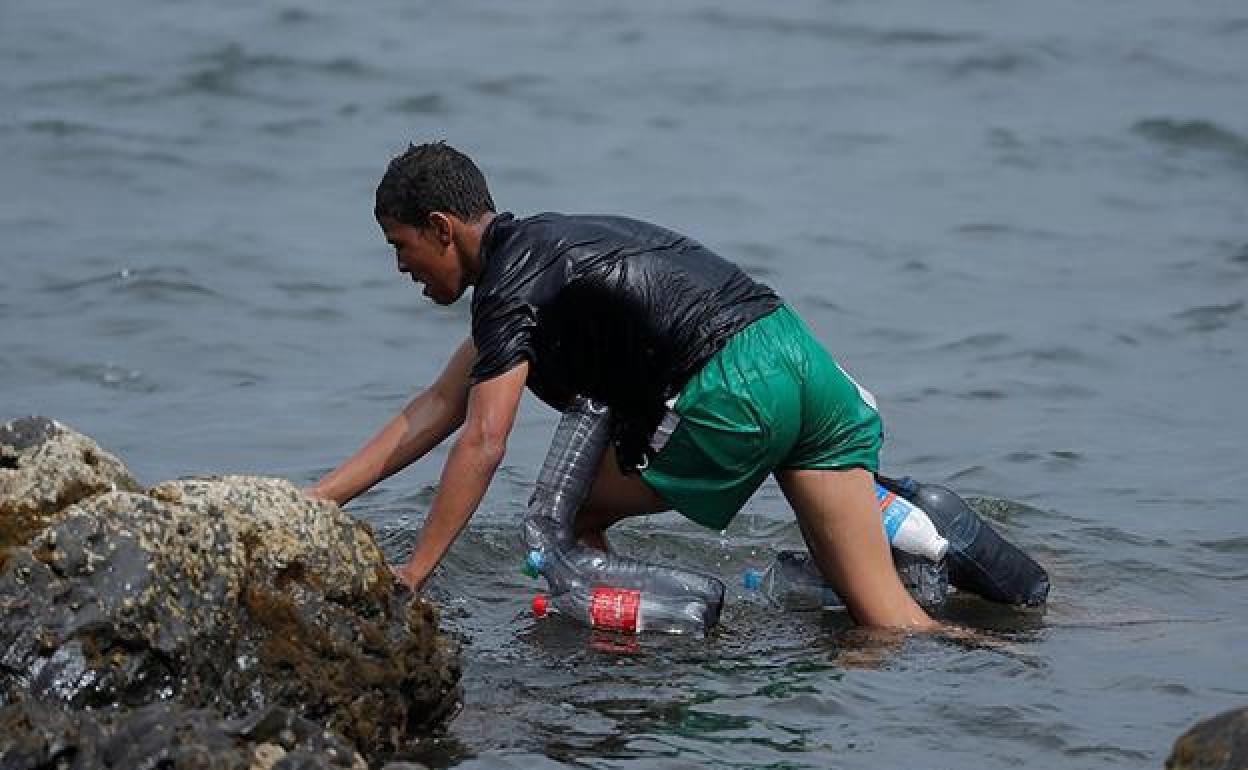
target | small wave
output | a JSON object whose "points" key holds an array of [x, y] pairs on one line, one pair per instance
{"points": [[992, 63], [294, 16], [1057, 458], [983, 394], [155, 289], [224, 70], [1115, 535], [1200, 135], [431, 103], [146, 284], [833, 30], [60, 127], [323, 313], [1002, 230], [94, 280], [306, 288], [1208, 318], [108, 375], [975, 342], [1232, 545], [508, 85], [1060, 354], [1108, 753]]}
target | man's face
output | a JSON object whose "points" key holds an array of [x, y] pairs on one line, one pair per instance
{"points": [[429, 257]]}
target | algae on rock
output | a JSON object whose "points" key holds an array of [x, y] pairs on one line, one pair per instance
{"points": [[234, 594]]}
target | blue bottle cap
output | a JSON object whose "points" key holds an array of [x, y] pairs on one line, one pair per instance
{"points": [[533, 562], [752, 579]]}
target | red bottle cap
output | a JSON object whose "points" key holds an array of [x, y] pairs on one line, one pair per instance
{"points": [[539, 605]]}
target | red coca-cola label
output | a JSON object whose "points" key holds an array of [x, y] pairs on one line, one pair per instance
{"points": [[614, 608]]}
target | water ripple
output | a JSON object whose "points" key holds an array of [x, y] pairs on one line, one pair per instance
{"points": [[1232, 545], [430, 103], [1208, 318], [900, 36], [1200, 135], [231, 69], [108, 375]]}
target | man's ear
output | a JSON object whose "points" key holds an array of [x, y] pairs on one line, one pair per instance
{"points": [[442, 226]]}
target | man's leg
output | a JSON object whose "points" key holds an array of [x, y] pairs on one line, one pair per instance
{"points": [[613, 496], [840, 519]]}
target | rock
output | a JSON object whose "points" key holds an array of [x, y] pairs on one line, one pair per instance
{"points": [[1217, 743], [232, 595], [44, 468], [37, 734]]}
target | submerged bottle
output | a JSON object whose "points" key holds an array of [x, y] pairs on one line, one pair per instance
{"points": [[643, 596], [651, 601], [793, 581], [625, 610], [979, 559]]}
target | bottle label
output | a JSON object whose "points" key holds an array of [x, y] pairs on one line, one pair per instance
{"points": [[893, 509], [614, 608]]}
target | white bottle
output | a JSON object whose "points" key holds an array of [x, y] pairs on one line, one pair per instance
{"points": [[908, 527]]}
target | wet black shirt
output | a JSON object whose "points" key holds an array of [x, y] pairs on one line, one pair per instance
{"points": [[615, 309]]}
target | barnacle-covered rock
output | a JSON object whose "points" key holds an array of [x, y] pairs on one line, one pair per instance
{"points": [[38, 734], [234, 594], [44, 468]]}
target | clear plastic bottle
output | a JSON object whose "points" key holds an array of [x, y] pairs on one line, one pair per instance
{"points": [[650, 600], [793, 581], [626, 610], [648, 597]]}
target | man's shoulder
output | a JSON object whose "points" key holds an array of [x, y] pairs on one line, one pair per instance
{"points": [[554, 226]]}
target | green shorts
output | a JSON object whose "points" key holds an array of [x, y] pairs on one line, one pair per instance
{"points": [[772, 399]]}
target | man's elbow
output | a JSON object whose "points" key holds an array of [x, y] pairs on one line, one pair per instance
{"points": [[487, 447]]}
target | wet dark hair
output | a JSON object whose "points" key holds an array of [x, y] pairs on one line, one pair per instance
{"points": [[432, 177]]}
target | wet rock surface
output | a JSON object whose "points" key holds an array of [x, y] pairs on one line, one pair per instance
{"points": [[1217, 743], [221, 598], [39, 734], [44, 468]]}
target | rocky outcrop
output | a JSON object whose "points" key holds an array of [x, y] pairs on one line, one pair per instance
{"points": [[227, 597], [45, 468], [1217, 743], [39, 734]]}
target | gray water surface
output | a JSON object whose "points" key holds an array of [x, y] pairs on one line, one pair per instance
{"points": [[1024, 227]]}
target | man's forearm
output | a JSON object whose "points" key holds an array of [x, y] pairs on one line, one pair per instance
{"points": [[408, 436], [469, 469]]}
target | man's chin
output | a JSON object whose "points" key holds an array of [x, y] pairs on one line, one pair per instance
{"points": [[445, 299]]}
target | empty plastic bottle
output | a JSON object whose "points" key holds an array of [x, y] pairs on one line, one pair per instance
{"points": [[617, 609], [793, 581], [665, 598], [979, 559], [653, 601]]}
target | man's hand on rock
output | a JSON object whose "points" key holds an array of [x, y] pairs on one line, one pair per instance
{"points": [[408, 577]]}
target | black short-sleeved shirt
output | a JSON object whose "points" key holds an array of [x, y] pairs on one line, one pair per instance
{"points": [[611, 308]]}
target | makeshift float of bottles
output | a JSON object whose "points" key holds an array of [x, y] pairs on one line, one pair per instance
{"points": [[937, 541]]}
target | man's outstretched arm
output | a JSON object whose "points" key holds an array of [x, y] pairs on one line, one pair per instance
{"points": [[423, 424], [469, 469]]}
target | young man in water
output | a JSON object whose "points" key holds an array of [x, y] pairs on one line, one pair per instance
{"points": [[644, 320]]}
